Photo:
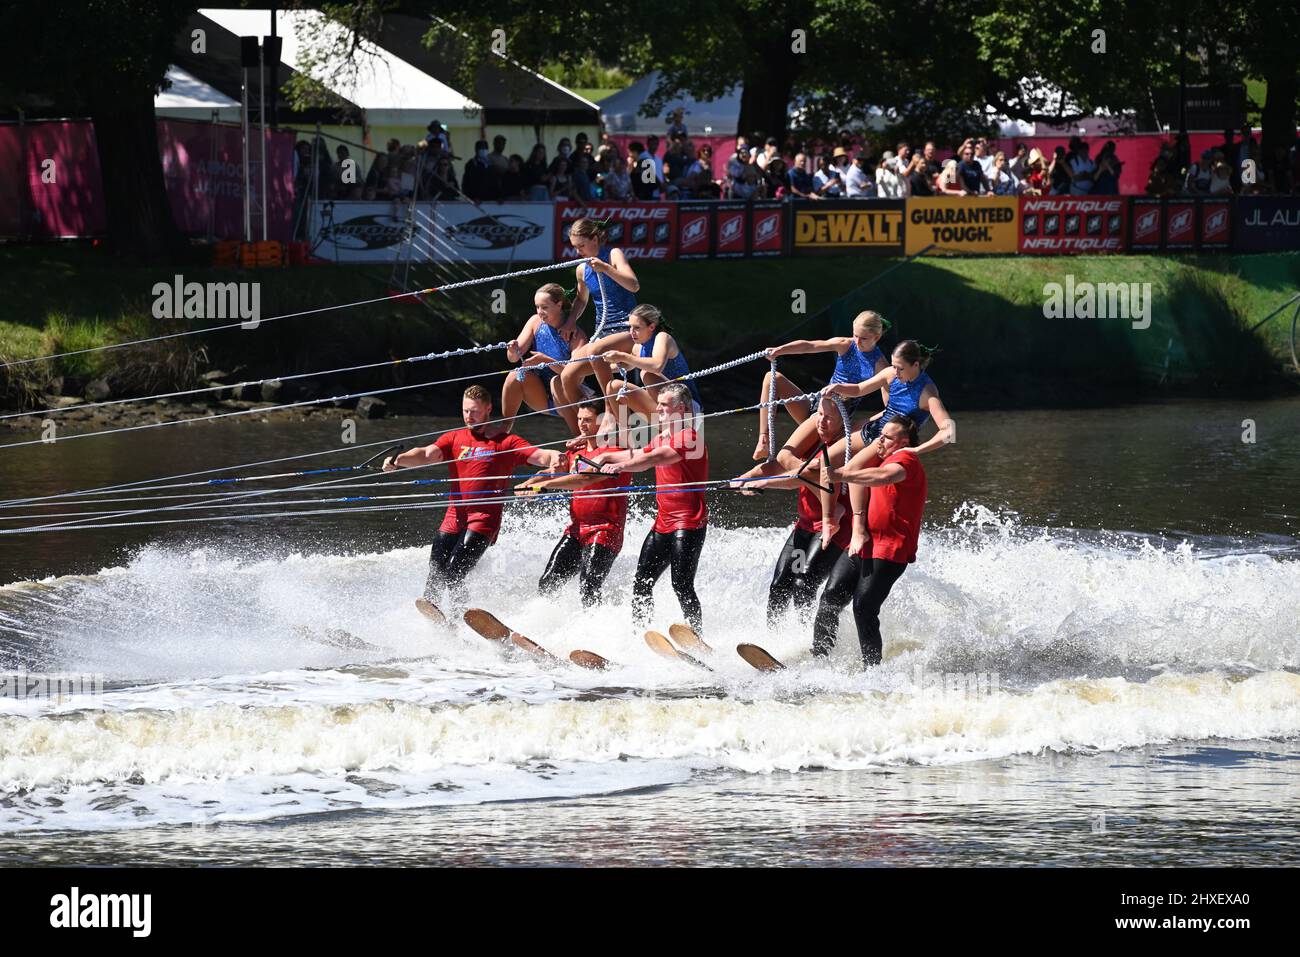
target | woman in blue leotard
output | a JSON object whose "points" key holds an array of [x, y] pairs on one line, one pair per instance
{"points": [[550, 335], [912, 393], [655, 359], [608, 282], [857, 358]]}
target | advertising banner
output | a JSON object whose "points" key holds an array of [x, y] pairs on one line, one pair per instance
{"points": [[1180, 225], [1068, 224], [50, 185], [729, 230], [1266, 223], [836, 227], [694, 230], [962, 224], [1147, 216], [642, 230], [1214, 228], [366, 232], [767, 228], [494, 232], [204, 170]]}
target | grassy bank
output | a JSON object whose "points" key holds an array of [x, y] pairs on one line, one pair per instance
{"points": [[986, 314]]}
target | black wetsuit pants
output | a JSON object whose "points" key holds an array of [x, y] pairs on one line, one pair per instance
{"points": [[800, 570], [866, 583], [591, 563], [451, 558], [680, 552]]}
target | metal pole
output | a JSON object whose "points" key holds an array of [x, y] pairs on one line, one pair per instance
{"points": [[315, 170], [243, 131], [23, 181], [261, 112], [275, 75], [214, 131]]}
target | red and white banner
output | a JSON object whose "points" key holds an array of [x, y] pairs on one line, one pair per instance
{"points": [[1180, 224], [1215, 228], [694, 230], [1052, 225], [641, 230], [729, 230], [767, 229], [1148, 224]]}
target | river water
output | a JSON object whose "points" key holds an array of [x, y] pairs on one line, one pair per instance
{"points": [[1102, 666]]}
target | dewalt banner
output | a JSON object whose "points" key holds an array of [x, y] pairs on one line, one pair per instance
{"points": [[848, 226]]}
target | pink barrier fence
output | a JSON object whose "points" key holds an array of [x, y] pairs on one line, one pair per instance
{"points": [[1137, 153], [50, 184]]}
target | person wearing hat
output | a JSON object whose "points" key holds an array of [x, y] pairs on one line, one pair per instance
{"points": [[858, 182], [1034, 177], [1200, 174]]}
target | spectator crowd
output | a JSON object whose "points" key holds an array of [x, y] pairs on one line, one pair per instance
{"points": [[674, 168]]}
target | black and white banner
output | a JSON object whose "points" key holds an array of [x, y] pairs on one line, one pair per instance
{"points": [[387, 232], [369, 232], [491, 232]]}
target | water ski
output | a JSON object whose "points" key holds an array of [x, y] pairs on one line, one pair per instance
{"points": [[662, 646], [486, 624], [759, 658], [685, 637], [429, 610], [588, 659], [530, 646]]}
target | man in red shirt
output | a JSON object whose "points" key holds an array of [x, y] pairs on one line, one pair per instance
{"points": [[679, 458], [884, 537], [594, 535], [481, 459], [803, 563]]}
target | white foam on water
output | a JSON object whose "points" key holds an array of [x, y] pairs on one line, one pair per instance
{"points": [[227, 701], [92, 769]]}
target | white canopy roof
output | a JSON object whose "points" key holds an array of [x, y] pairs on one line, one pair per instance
{"points": [[621, 111], [188, 92], [387, 87]]}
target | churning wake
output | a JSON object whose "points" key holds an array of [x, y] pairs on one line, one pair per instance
{"points": [[239, 687]]}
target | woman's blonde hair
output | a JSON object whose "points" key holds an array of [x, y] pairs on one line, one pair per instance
{"points": [[870, 320]]}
